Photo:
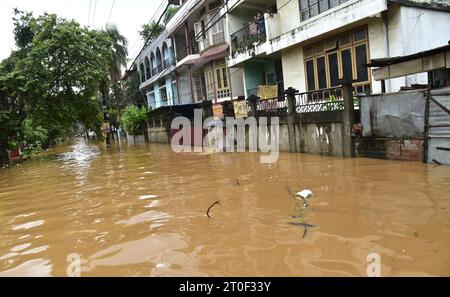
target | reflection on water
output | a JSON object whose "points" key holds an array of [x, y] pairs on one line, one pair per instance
{"points": [[140, 210]]}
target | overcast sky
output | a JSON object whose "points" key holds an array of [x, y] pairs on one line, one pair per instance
{"points": [[128, 15]]}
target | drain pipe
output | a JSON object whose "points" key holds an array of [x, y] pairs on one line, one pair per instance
{"points": [[385, 18]]}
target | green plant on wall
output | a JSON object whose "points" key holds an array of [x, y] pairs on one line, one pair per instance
{"points": [[134, 120]]}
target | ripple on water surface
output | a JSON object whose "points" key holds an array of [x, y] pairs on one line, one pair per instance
{"points": [[141, 210]]}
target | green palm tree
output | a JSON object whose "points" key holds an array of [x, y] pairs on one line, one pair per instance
{"points": [[117, 61], [120, 53]]}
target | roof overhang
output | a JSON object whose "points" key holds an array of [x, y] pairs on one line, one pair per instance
{"points": [[430, 5], [206, 56], [437, 58]]}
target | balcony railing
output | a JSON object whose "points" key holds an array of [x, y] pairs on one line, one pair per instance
{"points": [[320, 100], [311, 8], [246, 37], [314, 101]]}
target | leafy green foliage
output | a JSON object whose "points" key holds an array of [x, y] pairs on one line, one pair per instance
{"points": [[112, 94], [134, 120], [171, 11], [34, 138], [54, 79], [151, 31]]}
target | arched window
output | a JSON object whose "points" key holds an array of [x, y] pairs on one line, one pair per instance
{"points": [[143, 76], [148, 68], [165, 54], [158, 60], [153, 63]]}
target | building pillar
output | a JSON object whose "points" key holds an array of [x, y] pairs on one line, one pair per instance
{"points": [[188, 45], [253, 99], [215, 79], [191, 85], [348, 145], [290, 95]]}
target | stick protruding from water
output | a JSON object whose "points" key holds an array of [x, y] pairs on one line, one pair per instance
{"points": [[212, 205]]}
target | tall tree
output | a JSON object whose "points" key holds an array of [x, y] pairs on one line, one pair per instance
{"points": [[152, 30], [119, 55], [53, 78], [118, 61]]}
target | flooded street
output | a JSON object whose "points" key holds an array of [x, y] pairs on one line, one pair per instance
{"points": [[140, 210]]}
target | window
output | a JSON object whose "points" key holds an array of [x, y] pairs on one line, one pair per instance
{"points": [[311, 8], [222, 81], [309, 51], [148, 71], [310, 75], [321, 73], [333, 69], [347, 65], [201, 35], [174, 90], [217, 30], [343, 56], [345, 39], [210, 31], [219, 80], [163, 91], [225, 77], [209, 81], [151, 100], [143, 78], [361, 61], [359, 35], [199, 86]]}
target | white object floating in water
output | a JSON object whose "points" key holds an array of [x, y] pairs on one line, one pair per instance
{"points": [[305, 194], [146, 197]]}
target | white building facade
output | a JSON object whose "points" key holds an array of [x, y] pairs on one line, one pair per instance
{"points": [[320, 42], [219, 50], [156, 65]]}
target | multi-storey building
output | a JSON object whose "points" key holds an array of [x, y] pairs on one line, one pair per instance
{"points": [[156, 71], [320, 42], [187, 62], [220, 50], [200, 32]]}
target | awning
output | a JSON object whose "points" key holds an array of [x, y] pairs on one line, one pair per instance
{"points": [[215, 52], [437, 58], [395, 60], [206, 56]]}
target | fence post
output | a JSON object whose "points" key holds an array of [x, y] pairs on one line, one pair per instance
{"points": [[426, 139], [290, 95], [253, 99], [348, 145]]}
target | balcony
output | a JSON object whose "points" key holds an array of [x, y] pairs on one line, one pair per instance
{"points": [[247, 37], [319, 17], [253, 39], [214, 36]]}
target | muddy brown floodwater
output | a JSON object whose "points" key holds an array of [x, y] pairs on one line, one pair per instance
{"points": [[140, 210]]}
